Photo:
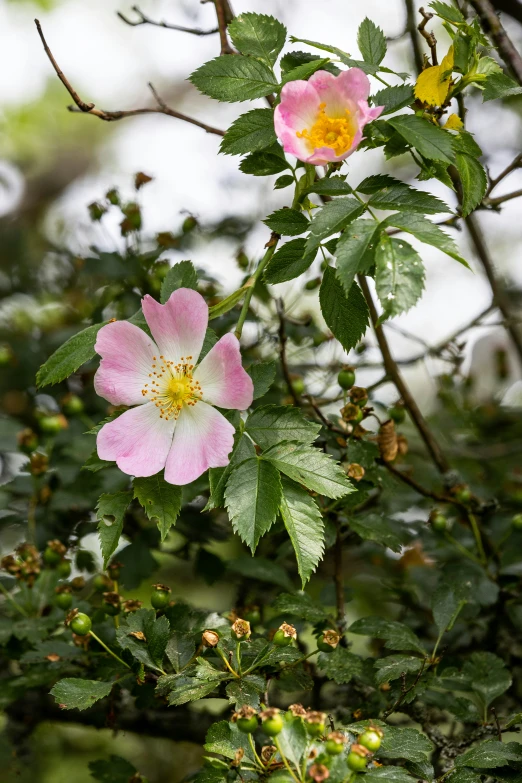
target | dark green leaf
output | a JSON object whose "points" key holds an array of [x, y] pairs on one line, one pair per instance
{"points": [[374, 527], [405, 198], [491, 754], [225, 739], [396, 635], [399, 275], [394, 666], [181, 275], [109, 513], [389, 774], [394, 98], [236, 78], [148, 646], [161, 501], [258, 35], [345, 314], [309, 466], [180, 649], [488, 674], [262, 375], [288, 262], [341, 666], [262, 569], [246, 691], [474, 181], [69, 357], [300, 605], [115, 770], [304, 524], [183, 688], [292, 60], [304, 71], [354, 251], [252, 499], [252, 132], [444, 605], [283, 182], [263, 164], [500, 85], [333, 217], [271, 424], [432, 142], [426, 231], [218, 477], [288, 222], [371, 42], [294, 740], [331, 186], [73, 693]]}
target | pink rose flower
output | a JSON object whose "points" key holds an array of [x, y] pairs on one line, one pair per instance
{"points": [[174, 424], [321, 120]]}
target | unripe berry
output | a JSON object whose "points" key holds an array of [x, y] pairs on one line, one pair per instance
{"points": [[51, 557], [63, 601], [516, 522], [462, 493], [284, 635], [328, 642], [311, 285], [189, 224], [81, 624], [315, 723], [346, 378], [358, 396], [52, 425], [102, 583], [371, 739], [397, 413], [438, 521], [246, 719], [64, 569], [271, 721], [297, 384], [252, 615], [358, 758], [335, 743], [160, 598], [72, 405]]}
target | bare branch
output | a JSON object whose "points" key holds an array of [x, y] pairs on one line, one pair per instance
{"points": [[495, 202], [113, 116], [429, 37], [411, 28], [515, 164], [492, 26], [143, 19], [224, 16]]}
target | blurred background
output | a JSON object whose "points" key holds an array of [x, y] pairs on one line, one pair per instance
{"points": [[54, 163]]}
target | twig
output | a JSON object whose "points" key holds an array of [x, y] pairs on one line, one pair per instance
{"points": [[143, 19], [411, 28], [492, 26], [281, 332], [405, 690], [338, 578], [429, 37], [224, 16], [497, 724], [392, 370], [406, 479], [112, 116], [495, 202], [515, 164]]}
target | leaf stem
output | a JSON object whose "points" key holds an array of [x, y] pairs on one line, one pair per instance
{"points": [[272, 244], [223, 658], [14, 603], [285, 760], [91, 633], [252, 745], [478, 538]]}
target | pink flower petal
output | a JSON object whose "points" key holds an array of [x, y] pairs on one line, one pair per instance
{"points": [[126, 353], [138, 441], [330, 91], [354, 84], [203, 439], [298, 110], [223, 380], [178, 326]]}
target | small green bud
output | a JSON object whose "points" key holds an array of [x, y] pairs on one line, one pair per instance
{"points": [[81, 624], [346, 378], [438, 521], [315, 723], [246, 719], [160, 598]]}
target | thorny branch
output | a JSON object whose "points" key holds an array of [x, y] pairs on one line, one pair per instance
{"points": [[112, 116], [144, 19]]}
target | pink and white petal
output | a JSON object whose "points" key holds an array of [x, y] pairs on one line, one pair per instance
{"points": [[203, 439], [293, 145], [179, 325], [321, 156], [366, 113], [223, 380], [331, 92], [138, 441], [126, 353], [354, 84], [298, 108]]}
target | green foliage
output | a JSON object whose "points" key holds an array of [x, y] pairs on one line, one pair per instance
{"points": [[288, 222], [432, 142], [234, 79], [399, 275], [181, 275], [160, 501], [252, 499], [252, 132], [346, 314], [79, 694], [145, 637], [355, 250], [473, 179], [371, 42], [271, 424], [258, 35], [110, 512], [69, 357], [287, 263], [304, 524]]}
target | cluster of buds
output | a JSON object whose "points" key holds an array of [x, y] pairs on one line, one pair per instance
{"points": [[25, 565]]}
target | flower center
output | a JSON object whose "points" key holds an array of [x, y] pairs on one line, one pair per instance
{"points": [[333, 132], [172, 386]]}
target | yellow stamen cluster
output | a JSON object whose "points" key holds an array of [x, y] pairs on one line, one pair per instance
{"points": [[172, 386], [333, 132]]}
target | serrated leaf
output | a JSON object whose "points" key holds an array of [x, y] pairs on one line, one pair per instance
{"points": [[252, 499], [72, 693], [304, 525], [180, 649], [389, 774], [474, 181], [148, 646], [341, 666], [448, 12], [252, 132], [376, 182], [225, 739], [396, 635], [69, 357], [346, 314], [331, 186], [258, 35], [300, 605], [309, 466], [354, 251], [432, 142], [183, 688], [426, 231], [263, 164], [293, 740], [374, 527], [115, 770], [271, 424], [371, 42], [262, 374], [181, 275], [52, 647], [500, 85], [160, 501], [397, 743], [246, 691], [287, 222], [292, 60], [94, 463], [218, 477], [488, 674], [288, 262], [234, 78], [303, 71], [490, 754], [444, 605], [394, 666], [394, 98], [109, 513], [399, 275], [333, 217], [403, 197]]}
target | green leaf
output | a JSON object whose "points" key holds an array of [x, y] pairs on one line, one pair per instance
{"points": [[396, 635], [300, 605], [448, 12], [346, 314], [292, 60], [69, 357], [376, 182], [394, 98], [464, 775], [226, 304], [258, 35], [252, 132], [354, 251], [246, 691], [309, 466], [488, 674], [399, 275], [109, 513], [389, 774], [225, 739], [234, 78], [183, 688], [341, 666], [333, 217], [161, 501], [218, 477], [180, 649], [293, 740], [371, 42], [394, 666], [474, 181], [427, 232], [500, 85], [304, 71], [148, 646], [263, 164], [491, 754], [397, 743], [115, 770], [374, 527], [252, 499], [262, 374], [181, 275], [304, 524], [444, 605], [73, 693], [271, 424], [283, 182], [288, 222], [210, 340], [432, 142], [94, 463], [262, 569], [288, 262], [52, 647], [331, 186], [403, 197]]}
